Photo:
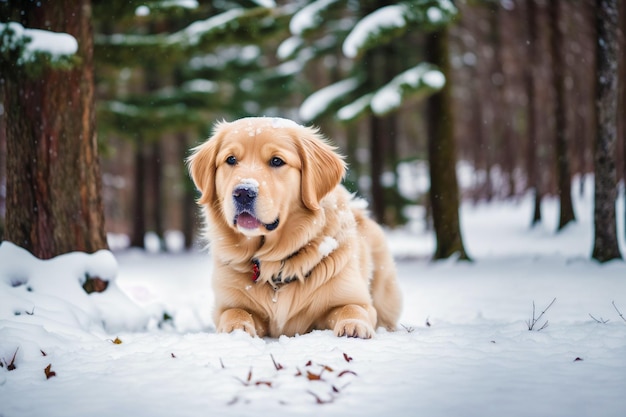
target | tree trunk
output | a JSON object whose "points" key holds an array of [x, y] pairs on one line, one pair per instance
{"points": [[606, 246], [444, 193], [54, 204], [189, 209], [621, 105], [138, 233], [564, 181], [377, 161], [156, 179], [534, 179]]}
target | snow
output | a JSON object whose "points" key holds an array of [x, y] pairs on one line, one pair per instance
{"points": [[201, 86], [390, 96], [354, 109], [288, 47], [384, 17], [308, 17], [192, 34], [56, 44], [149, 346], [328, 245], [317, 103]]}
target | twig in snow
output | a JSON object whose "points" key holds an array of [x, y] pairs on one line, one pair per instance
{"points": [[532, 322], [600, 320], [618, 312]]}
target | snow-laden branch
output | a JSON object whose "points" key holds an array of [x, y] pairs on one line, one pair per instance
{"points": [[216, 30], [309, 17], [421, 80], [390, 22], [319, 102], [31, 43]]}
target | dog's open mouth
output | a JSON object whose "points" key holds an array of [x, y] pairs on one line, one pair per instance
{"points": [[246, 220]]}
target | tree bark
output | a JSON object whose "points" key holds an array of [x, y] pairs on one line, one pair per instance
{"points": [[621, 105], [534, 179], [138, 233], [606, 246], [54, 204], [444, 193], [564, 180]]}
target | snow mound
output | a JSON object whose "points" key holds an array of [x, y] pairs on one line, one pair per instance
{"points": [[49, 293]]}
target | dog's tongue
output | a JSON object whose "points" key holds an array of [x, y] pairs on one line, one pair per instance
{"points": [[247, 221]]}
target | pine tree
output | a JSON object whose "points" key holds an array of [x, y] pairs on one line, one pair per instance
{"points": [[184, 68], [53, 176], [384, 71]]}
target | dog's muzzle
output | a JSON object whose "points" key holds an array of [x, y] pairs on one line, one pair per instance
{"points": [[244, 197]]}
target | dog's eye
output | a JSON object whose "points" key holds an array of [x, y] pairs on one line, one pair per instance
{"points": [[276, 162], [231, 160]]}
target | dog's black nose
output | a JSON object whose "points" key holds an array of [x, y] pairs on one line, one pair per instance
{"points": [[244, 195]]}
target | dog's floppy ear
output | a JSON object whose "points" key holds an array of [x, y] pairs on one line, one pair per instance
{"points": [[202, 166], [322, 167]]}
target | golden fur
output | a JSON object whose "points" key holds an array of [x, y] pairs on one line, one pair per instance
{"points": [[275, 211]]}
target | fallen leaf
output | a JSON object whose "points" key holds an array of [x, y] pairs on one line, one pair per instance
{"points": [[173, 356], [49, 372], [347, 358], [347, 371], [117, 341], [313, 377], [578, 359], [43, 353]]}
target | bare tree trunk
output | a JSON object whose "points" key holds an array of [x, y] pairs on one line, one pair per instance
{"points": [[156, 186], [564, 181], [621, 105], [138, 232], [189, 209], [54, 204], [534, 179], [377, 160], [444, 191], [606, 246], [3, 164]]}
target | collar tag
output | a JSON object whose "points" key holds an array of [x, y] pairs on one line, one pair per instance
{"points": [[256, 270]]}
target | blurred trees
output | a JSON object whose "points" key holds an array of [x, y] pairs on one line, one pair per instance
{"points": [[167, 71], [522, 96]]}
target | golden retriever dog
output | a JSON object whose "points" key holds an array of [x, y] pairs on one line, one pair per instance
{"points": [[293, 251]]}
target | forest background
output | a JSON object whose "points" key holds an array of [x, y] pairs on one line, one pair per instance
{"points": [[520, 106]]}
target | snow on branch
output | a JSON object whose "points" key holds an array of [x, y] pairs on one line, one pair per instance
{"points": [[422, 79], [390, 22], [221, 29], [33, 44], [309, 17], [355, 109], [193, 33], [320, 101]]}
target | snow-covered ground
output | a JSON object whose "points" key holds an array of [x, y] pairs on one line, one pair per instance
{"points": [[147, 346]]}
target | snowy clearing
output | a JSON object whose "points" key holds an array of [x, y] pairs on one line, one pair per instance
{"points": [[464, 348]]}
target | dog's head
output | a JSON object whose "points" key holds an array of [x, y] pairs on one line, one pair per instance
{"points": [[255, 171]]}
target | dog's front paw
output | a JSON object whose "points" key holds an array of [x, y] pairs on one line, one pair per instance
{"points": [[353, 328], [236, 319]]}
